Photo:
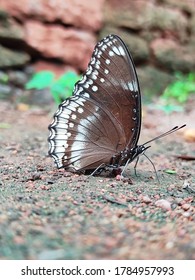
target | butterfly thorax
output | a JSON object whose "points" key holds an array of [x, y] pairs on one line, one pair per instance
{"points": [[127, 155]]}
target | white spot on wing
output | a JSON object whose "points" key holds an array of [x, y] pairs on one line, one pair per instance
{"points": [[78, 90], [135, 85], [78, 146], [116, 50], [130, 84], [86, 95], [59, 149], [74, 116], [99, 54], [71, 125], [100, 44], [80, 110], [65, 115], [125, 86], [94, 88], [111, 53], [119, 50]]}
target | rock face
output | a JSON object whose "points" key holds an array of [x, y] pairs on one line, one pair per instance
{"points": [[72, 46], [160, 34], [172, 56], [62, 30], [61, 34], [9, 58], [81, 14]]}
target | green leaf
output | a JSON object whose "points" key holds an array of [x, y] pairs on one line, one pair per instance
{"points": [[181, 89], [63, 87], [5, 125], [4, 78], [41, 80], [170, 171], [60, 88]]}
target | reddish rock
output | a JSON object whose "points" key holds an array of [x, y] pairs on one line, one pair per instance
{"points": [[163, 45], [72, 46], [186, 206], [168, 53], [83, 14]]}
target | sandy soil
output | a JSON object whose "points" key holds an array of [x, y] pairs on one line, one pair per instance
{"points": [[50, 214]]}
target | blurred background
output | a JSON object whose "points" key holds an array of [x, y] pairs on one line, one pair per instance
{"points": [[59, 36]]}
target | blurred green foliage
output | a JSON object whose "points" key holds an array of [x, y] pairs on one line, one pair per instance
{"points": [[180, 90], [177, 93], [4, 78], [60, 88]]}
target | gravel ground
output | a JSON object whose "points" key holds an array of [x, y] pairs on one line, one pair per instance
{"points": [[52, 214]]}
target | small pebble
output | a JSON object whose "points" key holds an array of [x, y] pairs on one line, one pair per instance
{"points": [[186, 206], [164, 204], [146, 199], [119, 177], [186, 214]]}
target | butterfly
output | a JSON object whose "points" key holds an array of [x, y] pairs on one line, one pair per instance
{"points": [[99, 125]]}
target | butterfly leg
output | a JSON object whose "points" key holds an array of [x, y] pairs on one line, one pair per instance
{"points": [[101, 166], [153, 167], [135, 166], [125, 167]]}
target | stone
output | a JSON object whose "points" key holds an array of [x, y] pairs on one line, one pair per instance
{"points": [[138, 14], [164, 204], [172, 56], [136, 45], [189, 135], [67, 44], [153, 81], [192, 29], [18, 78], [83, 14], [187, 5], [12, 58], [6, 91], [186, 206], [36, 97], [9, 28], [130, 14]]}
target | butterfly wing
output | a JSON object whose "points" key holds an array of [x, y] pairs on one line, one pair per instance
{"points": [[103, 117], [79, 137]]}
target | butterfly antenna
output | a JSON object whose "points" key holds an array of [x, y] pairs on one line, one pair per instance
{"points": [[166, 133]]}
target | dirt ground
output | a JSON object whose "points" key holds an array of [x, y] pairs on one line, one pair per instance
{"points": [[47, 213]]}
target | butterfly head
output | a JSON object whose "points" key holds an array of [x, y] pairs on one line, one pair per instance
{"points": [[138, 151]]}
